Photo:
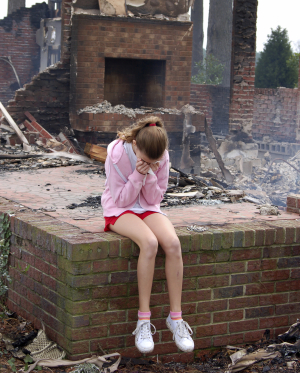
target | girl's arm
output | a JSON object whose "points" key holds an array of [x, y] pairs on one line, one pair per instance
{"points": [[124, 192], [156, 185]]}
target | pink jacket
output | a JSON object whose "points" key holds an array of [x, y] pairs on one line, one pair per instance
{"points": [[124, 187]]}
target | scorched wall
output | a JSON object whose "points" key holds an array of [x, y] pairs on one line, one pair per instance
{"points": [[18, 40]]}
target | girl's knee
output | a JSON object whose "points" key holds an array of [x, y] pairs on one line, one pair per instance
{"points": [[149, 247], [173, 247]]}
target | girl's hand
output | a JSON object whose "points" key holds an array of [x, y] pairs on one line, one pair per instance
{"points": [[142, 167], [154, 166]]}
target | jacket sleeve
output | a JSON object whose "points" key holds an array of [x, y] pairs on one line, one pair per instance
{"points": [[156, 185], [123, 192]]}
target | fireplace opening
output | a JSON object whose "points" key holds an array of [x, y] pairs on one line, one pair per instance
{"points": [[134, 83]]}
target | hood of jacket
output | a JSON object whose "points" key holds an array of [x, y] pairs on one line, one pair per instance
{"points": [[115, 150]]}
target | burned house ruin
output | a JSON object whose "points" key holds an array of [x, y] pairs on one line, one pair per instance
{"points": [[240, 277]]}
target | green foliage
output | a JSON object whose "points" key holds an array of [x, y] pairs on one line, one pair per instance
{"points": [[27, 359], [11, 362], [210, 71], [277, 65], [5, 234]]}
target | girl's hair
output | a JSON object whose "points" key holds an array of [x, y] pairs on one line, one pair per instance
{"points": [[151, 140]]}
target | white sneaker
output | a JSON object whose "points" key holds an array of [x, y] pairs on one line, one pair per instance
{"points": [[181, 334], [143, 337]]}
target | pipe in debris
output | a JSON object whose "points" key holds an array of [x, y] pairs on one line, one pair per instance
{"points": [[277, 159], [8, 60]]}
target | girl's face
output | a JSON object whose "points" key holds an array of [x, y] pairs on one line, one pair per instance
{"points": [[140, 155]]}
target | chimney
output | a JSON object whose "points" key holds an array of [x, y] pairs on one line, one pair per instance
{"points": [[14, 5]]}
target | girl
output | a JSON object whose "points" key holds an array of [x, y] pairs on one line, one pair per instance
{"points": [[137, 171]]}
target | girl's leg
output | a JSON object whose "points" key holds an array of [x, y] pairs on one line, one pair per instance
{"points": [[165, 233], [133, 227], [166, 236]]}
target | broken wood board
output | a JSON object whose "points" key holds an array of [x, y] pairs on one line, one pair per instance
{"points": [[187, 194], [13, 125], [96, 152], [212, 143]]}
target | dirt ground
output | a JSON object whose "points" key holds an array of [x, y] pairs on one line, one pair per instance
{"points": [[14, 327]]}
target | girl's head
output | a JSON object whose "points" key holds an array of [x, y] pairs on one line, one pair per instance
{"points": [[148, 135]]}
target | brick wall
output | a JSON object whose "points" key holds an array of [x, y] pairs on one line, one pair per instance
{"points": [[213, 101], [18, 40], [275, 114], [95, 38], [46, 97], [274, 110], [243, 66], [239, 279], [65, 31]]}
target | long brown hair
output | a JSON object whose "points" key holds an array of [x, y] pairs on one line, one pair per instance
{"points": [[151, 140]]}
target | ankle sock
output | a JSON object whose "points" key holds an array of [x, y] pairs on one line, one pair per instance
{"points": [[175, 317], [143, 316]]}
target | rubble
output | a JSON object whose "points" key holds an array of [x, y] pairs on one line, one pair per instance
{"points": [[264, 180], [268, 209], [106, 107]]}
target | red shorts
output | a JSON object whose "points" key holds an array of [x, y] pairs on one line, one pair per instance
{"points": [[112, 219]]}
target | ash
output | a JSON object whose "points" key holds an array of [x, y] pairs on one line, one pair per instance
{"points": [[106, 107], [93, 202]]}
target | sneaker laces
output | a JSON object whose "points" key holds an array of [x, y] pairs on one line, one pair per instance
{"points": [[145, 330], [182, 329]]}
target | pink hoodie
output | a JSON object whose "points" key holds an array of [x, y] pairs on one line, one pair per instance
{"points": [[124, 187]]}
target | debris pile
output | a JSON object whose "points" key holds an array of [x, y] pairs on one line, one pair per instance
{"points": [[106, 107], [185, 189], [269, 180], [30, 146]]}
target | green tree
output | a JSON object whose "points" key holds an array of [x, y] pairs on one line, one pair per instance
{"points": [[276, 66], [210, 71]]}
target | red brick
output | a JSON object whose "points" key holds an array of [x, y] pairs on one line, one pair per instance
{"points": [[287, 309], [263, 288], [243, 302], [211, 282], [272, 322], [196, 295], [273, 299], [245, 278], [236, 267], [228, 340], [121, 329], [246, 254], [227, 316], [208, 330], [254, 336], [108, 317], [240, 326], [258, 265], [197, 271], [211, 306], [275, 275], [107, 343], [124, 303], [288, 285]]}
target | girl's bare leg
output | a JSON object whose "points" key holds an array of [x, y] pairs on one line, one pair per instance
{"points": [[165, 233], [131, 226]]}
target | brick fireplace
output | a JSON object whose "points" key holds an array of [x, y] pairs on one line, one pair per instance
{"points": [[137, 62]]}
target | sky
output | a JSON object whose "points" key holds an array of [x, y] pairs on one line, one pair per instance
{"points": [[271, 13]]}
